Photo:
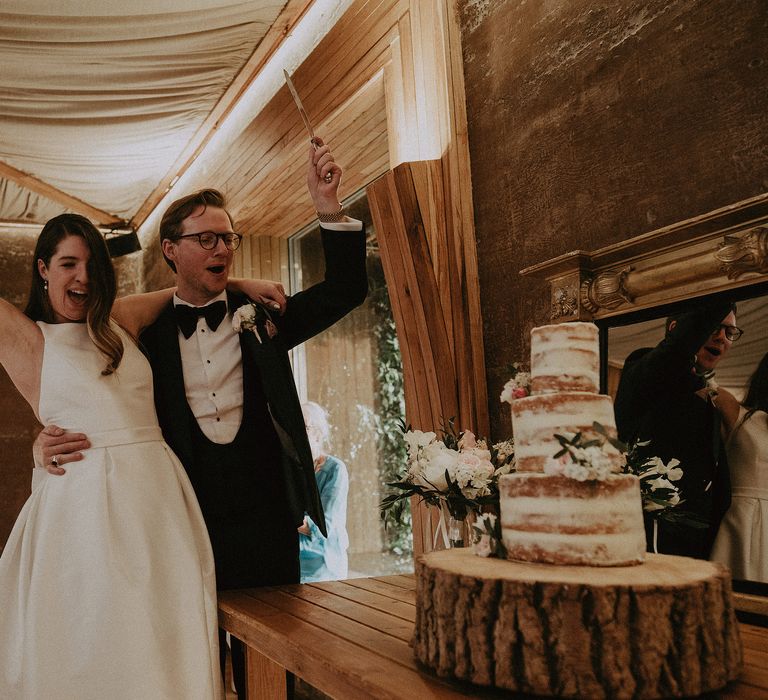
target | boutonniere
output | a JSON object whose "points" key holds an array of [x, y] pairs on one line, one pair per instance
{"points": [[249, 316]]}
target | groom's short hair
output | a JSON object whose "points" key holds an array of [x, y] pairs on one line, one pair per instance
{"points": [[170, 224]]}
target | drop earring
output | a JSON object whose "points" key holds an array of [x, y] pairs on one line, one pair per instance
{"points": [[45, 286]]}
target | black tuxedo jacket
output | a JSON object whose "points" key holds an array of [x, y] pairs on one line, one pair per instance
{"points": [[307, 313]]}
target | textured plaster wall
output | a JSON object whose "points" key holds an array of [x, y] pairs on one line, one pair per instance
{"points": [[18, 425], [592, 122]]}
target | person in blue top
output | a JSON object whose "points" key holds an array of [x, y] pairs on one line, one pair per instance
{"points": [[324, 558]]}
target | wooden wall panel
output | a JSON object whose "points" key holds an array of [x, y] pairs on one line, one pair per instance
{"points": [[427, 284]]}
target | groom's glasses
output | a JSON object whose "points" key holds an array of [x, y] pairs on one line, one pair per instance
{"points": [[731, 332], [209, 240]]}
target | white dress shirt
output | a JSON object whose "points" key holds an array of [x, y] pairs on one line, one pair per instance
{"points": [[211, 362]]}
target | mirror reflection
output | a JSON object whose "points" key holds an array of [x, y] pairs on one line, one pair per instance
{"points": [[680, 383]]}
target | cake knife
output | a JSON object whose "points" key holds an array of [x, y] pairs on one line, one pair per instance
{"points": [[304, 116]]}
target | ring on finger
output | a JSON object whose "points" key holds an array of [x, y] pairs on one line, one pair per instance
{"points": [[55, 460]]}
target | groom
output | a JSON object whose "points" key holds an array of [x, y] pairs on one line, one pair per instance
{"points": [[226, 401]]}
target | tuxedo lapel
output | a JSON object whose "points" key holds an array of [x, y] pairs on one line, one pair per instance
{"points": [[170, 396]]}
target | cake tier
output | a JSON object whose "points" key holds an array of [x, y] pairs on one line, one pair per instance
{"points": [[554, 519], [565, 357], [536, 419]]}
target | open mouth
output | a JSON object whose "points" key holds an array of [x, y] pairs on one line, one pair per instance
{"points": [[715, 352], [216, 269], [77, 296]]}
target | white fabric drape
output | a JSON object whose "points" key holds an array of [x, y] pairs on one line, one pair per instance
{"points": [[99, 98]]}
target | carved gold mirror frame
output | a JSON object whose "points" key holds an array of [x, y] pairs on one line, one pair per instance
{"points": [[725, 250]]}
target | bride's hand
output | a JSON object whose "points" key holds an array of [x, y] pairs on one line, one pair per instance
{"points": [[55, 446], [269, 293]]}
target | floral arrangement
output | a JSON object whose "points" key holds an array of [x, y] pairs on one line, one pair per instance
{"points": [[249, 316], [590, 459], [455, 472], [518, 386]]}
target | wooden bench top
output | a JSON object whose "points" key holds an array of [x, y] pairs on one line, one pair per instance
{"points": [[351, 639]]}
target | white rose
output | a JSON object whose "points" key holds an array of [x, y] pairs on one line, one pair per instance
{"points": [[416, 438], [438, 463]]}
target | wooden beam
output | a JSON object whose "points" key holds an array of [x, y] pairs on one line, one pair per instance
{"points": [[286, 20], [74, 204]]}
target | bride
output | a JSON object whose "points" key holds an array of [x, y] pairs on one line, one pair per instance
{"points": [[107, 583]]}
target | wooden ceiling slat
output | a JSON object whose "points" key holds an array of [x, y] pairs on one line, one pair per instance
{"points": [[286, 20]]}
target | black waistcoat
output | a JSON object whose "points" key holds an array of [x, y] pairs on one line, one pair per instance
{"points": [[234, 480], [242, 494]]}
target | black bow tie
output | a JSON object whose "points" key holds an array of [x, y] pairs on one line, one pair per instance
{"points": [[186, 316]]}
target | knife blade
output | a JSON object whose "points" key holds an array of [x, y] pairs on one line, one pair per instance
{"points": [[300, 106], [304, 116]]}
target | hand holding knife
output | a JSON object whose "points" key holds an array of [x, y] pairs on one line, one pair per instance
{"points": [[304, 116]]}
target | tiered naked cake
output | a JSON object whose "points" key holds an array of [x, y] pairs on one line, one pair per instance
{"points": [[549, 517], [552, 619]]}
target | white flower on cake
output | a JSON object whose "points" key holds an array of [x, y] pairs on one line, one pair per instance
{"points": [[486, 540], [591, 461], [505, 450]]}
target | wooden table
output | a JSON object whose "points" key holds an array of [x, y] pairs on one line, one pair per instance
{"points": [[350, 639]]}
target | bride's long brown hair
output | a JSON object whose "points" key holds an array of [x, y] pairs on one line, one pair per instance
{"points": [[102, 285]]}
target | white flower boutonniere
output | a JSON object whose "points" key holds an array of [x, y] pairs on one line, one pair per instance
{"points": [[249, 316]]}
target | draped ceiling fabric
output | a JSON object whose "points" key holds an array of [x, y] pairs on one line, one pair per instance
{"points": [[99, 97]]}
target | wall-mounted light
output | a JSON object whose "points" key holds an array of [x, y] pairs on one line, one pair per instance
{"points": [[122, 242]]}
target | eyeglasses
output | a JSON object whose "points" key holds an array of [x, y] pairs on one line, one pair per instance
{"points": [[209, 240], [732, 333]]}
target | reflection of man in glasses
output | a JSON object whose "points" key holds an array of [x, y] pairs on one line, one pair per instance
{"points": [[664, 397]]}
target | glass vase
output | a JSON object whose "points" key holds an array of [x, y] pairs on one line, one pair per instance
{"points": [[460, 530]]}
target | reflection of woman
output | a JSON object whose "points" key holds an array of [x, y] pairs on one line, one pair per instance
{"points": [[742, 540], [325, 558], [107, 583]]}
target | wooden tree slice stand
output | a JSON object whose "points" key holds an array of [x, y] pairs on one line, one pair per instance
{"points": [[665, 628]]}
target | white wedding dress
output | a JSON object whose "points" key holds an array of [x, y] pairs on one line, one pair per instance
{"points": [[107, 587], [742, 540]]}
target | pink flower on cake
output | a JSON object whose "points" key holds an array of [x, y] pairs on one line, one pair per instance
{"points": [[518, 386]]}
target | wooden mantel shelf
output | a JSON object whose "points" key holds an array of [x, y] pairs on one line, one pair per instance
{"points": [[352, 639]]}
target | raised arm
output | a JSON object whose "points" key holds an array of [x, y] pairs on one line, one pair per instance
{"points": [[21, 351], [137, 311], [271, 294]]}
